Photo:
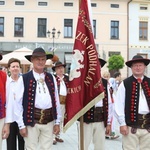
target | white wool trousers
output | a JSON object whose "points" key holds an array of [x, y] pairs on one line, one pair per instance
{"points": [[40, 136], [138, 141]]}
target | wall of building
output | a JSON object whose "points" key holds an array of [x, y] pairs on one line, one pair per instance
{"points": [[55, 13], [137, 46]]}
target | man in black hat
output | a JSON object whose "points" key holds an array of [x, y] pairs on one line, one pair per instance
{"points": [[62, 83], [132, 106], [97, 120], [38, 112]]}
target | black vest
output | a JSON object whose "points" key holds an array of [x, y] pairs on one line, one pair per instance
{"points": [[89, 115], [29, 96], [132, 98]]}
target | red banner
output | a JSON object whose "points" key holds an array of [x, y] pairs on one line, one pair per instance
{"points": [[85, 86]]}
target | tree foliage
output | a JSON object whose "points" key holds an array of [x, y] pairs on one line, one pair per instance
{"points": [[115, 62]]}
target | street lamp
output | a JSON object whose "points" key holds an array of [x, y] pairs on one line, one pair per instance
{"points": [[52, 35]]}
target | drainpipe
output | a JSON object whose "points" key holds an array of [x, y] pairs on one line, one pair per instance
{"points": [[128, 34]]}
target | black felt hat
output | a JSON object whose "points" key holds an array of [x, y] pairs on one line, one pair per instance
{"points": [[58, 64], [137, 58], [39, 52], [102, 62]]}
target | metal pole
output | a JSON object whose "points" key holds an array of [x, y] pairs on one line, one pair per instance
{"points": [[81, 120], [53, 33]]}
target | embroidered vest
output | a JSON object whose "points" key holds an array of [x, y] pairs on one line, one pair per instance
{"points": [[89, 115], [65, 79], [29, 96], [132, 98], [2, 94]]}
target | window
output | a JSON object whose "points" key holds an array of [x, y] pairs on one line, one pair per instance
{"points": [[42, 3], [19, 2], [68, 28], [68, 60], [114, 5], [68, 4], [143, 30], [94, 28], [110, 53], [18, 31], [93, 5], [1, 26], [143, 8], [2, 2], [114, 29], [42, 27]]}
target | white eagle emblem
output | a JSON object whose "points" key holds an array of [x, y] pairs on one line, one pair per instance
{"points": [[76, 65]]}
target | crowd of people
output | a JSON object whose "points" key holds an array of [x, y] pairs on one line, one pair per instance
{"points": [[32, 106]]}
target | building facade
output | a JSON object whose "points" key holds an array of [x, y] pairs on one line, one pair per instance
{"points": [[139, 33], [25, 23]]}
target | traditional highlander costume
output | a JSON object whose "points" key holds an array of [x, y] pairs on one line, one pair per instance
{"points": [[38, 104], [97, 118], [30, 114], [133, 107], [62, 83], [134, 119]]}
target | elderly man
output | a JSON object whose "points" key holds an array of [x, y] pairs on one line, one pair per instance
{"points": [[38, 110], [132, 106]]}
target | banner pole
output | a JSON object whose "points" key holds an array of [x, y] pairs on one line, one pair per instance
{"points": [[79, 3], [81, 120], [81, 134]]}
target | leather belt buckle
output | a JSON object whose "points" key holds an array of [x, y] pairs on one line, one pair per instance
{"points": [[143, 124], [41, 117], [144, 116]]}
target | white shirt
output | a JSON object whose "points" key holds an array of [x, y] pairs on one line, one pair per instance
{"points": [[114, 84], [42, 99], [63, 88], [120, 104], [13, 93]]}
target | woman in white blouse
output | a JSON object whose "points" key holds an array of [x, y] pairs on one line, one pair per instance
{"points": [[12, 93]]}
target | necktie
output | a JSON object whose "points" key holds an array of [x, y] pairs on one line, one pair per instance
{"points": [[139, 80]]}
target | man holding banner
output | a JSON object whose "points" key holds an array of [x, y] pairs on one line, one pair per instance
{"points": [[97, 119]]}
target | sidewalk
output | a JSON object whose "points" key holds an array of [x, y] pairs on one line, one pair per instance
{"points": [[71, 141]]}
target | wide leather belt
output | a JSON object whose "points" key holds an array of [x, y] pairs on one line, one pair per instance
{"points": [[98, 114], [144, 121], [62, 99], [43, 116]]}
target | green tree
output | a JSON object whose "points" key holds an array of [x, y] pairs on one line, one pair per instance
{"points": [[115, 62]]}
